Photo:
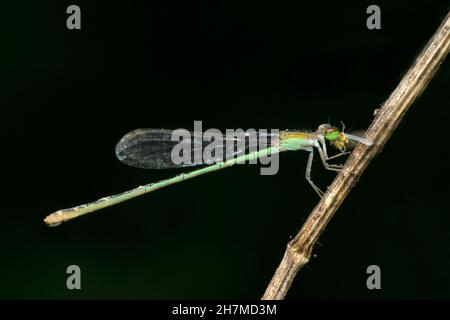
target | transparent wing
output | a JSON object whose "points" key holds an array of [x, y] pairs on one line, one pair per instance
{"points": [[356, 138], [152, 148]]}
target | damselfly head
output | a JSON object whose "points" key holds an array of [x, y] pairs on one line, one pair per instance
{"points": [[332, 134], [339, 139]]}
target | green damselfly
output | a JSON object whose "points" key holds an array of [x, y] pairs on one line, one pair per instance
{"points": [[151, 149]]}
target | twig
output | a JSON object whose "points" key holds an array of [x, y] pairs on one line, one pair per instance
{"points": [[299, 249]]}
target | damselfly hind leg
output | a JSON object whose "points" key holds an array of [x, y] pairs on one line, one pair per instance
{"points": [[308, 174]]}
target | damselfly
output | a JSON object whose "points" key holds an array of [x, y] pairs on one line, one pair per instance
{"points": [[151, 149]]}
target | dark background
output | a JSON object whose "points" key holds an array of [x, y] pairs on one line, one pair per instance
{"points": [[67, 97]]}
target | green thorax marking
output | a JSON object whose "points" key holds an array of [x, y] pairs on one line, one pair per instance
{"points": [[296, 140]]}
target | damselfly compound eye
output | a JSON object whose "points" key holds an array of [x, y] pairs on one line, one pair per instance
{"points": [[331, 134]]}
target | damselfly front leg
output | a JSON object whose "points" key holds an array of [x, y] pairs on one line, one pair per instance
{"points": [[324, 149], [333, 167]]}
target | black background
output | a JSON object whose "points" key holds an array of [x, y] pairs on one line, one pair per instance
{"points": [[68, 96]]}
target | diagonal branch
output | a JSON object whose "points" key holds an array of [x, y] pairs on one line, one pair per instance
{"points": [[299, 249]]}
